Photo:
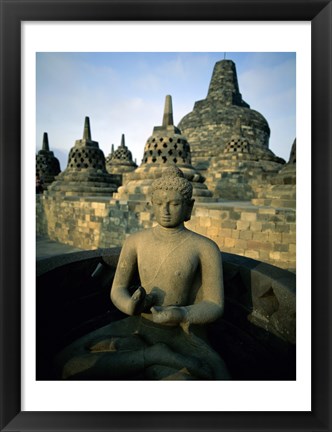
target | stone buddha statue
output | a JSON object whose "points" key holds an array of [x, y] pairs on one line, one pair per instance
{"points": [[181, 290]]}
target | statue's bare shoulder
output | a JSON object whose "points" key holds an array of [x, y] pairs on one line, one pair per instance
{"points": [[138, 237]]}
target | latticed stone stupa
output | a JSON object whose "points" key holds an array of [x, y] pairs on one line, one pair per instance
{"points": [[166, 146], [211, 125], [120, 161], [242, 166], [86, 173], [47, 165]]}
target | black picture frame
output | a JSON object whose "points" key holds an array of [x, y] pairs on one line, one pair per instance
{"points": [[13, 12]]}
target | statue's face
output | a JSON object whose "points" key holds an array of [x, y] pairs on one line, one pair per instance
{"points": [[170, 208]]}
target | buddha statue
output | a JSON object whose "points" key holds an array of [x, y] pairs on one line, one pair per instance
{"points": [[180, 291]]}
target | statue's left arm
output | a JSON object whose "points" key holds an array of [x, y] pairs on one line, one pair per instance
{"points": [[211, 306]]}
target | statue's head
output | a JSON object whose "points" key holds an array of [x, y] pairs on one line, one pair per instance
{"points": [[172, 198]]}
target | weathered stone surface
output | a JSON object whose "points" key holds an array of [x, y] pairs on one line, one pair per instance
{"points": [[280, 190], [274, 302]]}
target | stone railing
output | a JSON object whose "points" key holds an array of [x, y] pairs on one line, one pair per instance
{"points": [[256, 336]]}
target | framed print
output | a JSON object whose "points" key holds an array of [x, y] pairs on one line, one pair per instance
{"points": [[123, 406]]}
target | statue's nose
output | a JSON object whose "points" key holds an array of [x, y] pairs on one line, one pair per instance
{"points": [[166, 209]]}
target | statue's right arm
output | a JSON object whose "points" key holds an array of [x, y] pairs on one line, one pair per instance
{"points": [[125, 270]]}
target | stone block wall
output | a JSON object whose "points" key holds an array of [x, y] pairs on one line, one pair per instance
{"points": [[262, 233], [124, 218], [76, 221], [90, 222]]}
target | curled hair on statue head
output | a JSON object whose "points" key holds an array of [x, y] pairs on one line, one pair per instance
{"points": [[173, 179]]}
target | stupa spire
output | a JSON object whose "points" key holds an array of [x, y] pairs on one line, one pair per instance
{"points": [[168, 112], [224, 85], [45, 145], [123, 141], [87, 130]]}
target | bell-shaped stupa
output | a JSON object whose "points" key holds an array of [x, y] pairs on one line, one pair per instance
{"points": [[211, 125], [120, 161], [47, 165], [166, 146], [86, 173]]}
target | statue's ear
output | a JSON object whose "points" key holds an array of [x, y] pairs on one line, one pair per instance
{"points": [[189, 205]]}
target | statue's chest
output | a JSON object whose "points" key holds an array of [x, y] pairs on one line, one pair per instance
{"points": [[161, 264]]}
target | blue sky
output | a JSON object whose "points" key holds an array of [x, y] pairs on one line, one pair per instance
{"points": [[124, 93]]}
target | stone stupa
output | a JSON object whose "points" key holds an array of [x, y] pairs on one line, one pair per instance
{"points": [[47, 165], [120, 161], [166, 146], [86, 173], [211, 124]]}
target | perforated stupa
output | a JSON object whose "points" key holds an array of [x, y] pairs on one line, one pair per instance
{"points": [[241, 168], [86, 173], [120, 161], [166, 146], [47, 165]]}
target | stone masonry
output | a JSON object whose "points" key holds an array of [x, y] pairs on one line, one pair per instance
{"points": [[280, 191], [241, 168], [264, 233]]}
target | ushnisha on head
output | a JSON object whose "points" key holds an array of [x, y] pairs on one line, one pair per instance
{"points": [[173, 179], [172, 198]]}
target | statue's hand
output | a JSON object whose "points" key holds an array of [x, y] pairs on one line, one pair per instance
{"points": [[169, 315], [141, 302]]}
